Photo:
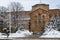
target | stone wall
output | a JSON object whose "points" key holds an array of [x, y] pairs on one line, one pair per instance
{"points": [[31, 39], [39, 39]]}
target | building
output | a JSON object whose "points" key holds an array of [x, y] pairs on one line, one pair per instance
{"points": [[40, 16], [20, 19], [34, 20]]}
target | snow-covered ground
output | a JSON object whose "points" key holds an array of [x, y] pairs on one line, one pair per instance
{"points": [[51, 29], [19, 33], [50, 33]]}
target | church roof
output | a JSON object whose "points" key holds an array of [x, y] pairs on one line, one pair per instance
{"points": [[40, 4]]}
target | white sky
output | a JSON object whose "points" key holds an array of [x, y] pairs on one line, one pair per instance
{"points": [[27, 4]]}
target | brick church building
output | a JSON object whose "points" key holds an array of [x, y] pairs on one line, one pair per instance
{"points": [[34, 20], [40, 16]]}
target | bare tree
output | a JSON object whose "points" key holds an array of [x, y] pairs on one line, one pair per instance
{"points": [[3, 9], [15, 7], [3, 14]]}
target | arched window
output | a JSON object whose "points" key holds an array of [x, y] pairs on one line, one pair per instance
{"points": [[39, 18], [43, 22], [35, 21]]}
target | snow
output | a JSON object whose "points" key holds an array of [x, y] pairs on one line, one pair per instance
{"points": [[51, 29], [19, 33], [51, 33]]}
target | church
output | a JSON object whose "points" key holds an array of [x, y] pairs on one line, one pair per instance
{"points": [[40, 17], [34, 20]]}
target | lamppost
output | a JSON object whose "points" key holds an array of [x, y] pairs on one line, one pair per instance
{"points": [[10, 22]]}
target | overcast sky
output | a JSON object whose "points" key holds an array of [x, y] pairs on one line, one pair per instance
{"points": [[27, 4]]}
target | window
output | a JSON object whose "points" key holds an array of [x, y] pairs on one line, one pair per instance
{"points": [[39, 18], [43, 22], [35, 21]]}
